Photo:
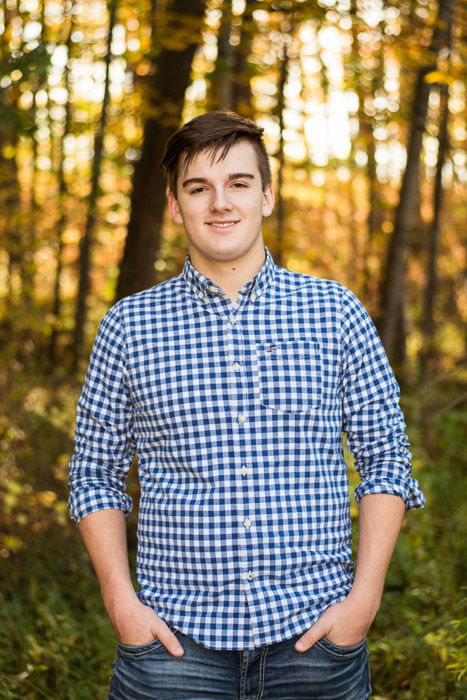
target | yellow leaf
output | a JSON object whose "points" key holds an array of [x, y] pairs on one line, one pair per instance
{"points": [[438, 76], [13, 543], [9, 152]]}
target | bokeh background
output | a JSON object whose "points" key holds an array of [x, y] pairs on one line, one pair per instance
{"points": [[363, 107]]}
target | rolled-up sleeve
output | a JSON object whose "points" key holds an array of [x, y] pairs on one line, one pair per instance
{"points": [[104, 446], [373, 420]]}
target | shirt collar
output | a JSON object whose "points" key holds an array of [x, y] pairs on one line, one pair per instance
{"points": [[204, 288]]}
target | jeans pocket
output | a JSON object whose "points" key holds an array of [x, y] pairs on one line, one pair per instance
{"points": [[141, 649], [341, 651]]}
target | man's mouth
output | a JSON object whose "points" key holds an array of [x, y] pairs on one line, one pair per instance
{"points": [[222, 224]]}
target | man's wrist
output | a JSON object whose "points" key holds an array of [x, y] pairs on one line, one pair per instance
{"points": [[366, 602], [117, 592]]}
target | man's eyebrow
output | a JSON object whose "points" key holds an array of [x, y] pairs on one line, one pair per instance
{"points": [[203, 180], [238, 176]]}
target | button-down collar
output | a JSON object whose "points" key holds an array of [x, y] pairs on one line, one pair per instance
{"points": [[205, 289]]}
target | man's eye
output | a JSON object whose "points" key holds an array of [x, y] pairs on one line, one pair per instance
{"points": [[240, 184], [197, 190]]}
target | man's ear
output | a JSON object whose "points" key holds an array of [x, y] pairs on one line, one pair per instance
{"points": [[268, 200], [174, 208]]}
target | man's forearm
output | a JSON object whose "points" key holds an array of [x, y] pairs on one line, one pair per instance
{"points": [[104, 535], [380, 520]]}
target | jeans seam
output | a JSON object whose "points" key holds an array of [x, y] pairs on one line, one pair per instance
{"points": [[262, 673], [243, 674]]}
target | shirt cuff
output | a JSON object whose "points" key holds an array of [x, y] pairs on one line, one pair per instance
{"points": [[83, 501], [407, 488]]}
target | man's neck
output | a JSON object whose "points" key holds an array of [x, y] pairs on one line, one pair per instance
{"points": [[229, 276]]}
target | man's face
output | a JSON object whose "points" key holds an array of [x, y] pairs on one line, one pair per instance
{"points": [[221, 204]]}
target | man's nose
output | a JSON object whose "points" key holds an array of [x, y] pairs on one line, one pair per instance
{"points": [[220, 200]]}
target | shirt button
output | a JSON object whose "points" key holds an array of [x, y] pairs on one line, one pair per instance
{"points": [[250, 576], [253, 296], [237, 367], [212, 288], [232, 319], [244, 471], [247, 523], [241, 418], [206, 298]]}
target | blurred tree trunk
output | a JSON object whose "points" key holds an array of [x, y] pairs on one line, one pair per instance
{"points": [[288, 29], [367, 81], [428, 324], [166, 93], [393, 301], [30, 232], [69, 23], [229, 83], [241, 88], [88, 235], [220, 86], [9, 185], [10, 204], [280, 206], [374, 203]]}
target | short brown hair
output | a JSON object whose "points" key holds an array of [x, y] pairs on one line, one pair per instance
{"points": [[212, 132]]}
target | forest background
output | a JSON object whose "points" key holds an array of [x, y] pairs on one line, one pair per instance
{"points": [[363, 106]]}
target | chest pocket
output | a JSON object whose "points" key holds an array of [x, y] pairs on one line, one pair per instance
{"points": [[289, 375]]}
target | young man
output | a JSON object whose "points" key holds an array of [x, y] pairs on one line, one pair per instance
{"points": [[234, 382]]}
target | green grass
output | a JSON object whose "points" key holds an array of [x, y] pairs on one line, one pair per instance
{"points": [[55, 639]]}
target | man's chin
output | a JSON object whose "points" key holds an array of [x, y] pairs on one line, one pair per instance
{"points": [[227, 252]]}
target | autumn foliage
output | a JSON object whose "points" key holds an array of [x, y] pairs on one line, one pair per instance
{"points": [[363, 107]]}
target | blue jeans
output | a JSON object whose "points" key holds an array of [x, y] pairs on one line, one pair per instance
{"points": [[273, 672]]}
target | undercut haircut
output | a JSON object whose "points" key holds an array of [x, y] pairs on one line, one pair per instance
{"points": [[215, 133]]}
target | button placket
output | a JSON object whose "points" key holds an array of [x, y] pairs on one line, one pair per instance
{"points": [[240, 414]]}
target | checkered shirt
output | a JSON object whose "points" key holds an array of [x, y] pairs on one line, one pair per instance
{"points": [[237, 412]]}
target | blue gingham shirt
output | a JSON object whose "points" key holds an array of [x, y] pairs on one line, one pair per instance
{"points": [[236, 411]]}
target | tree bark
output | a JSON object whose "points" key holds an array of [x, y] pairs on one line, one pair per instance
{"points": [[88, 235], [171, 77], [392, 295]]}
